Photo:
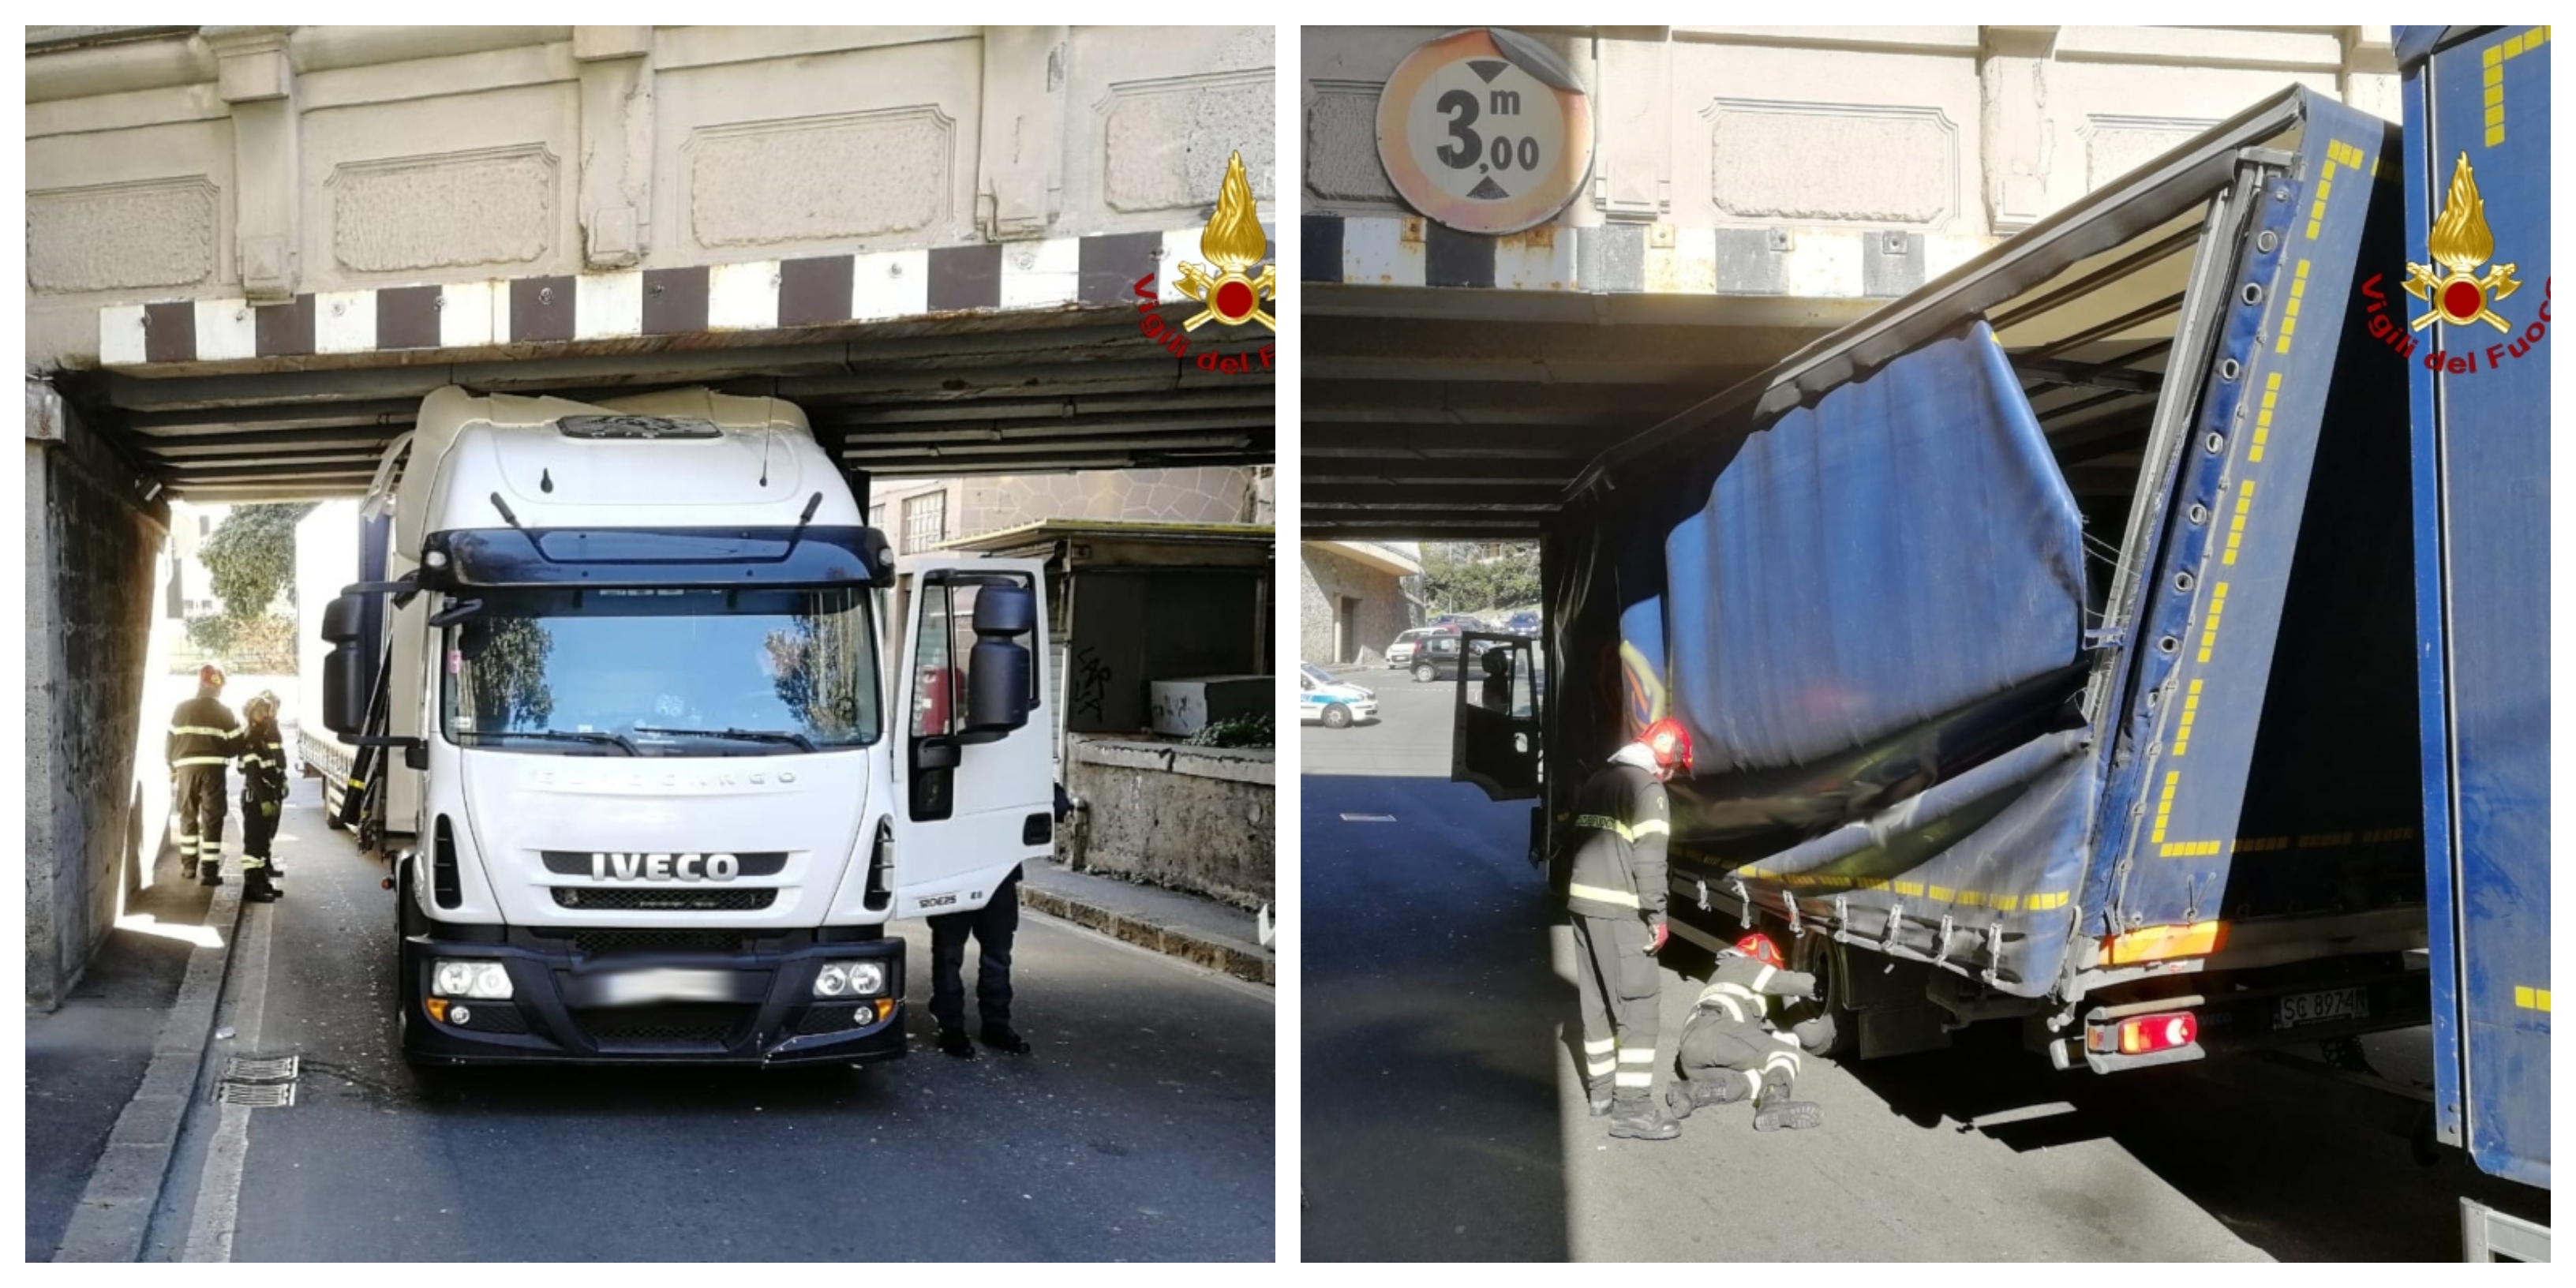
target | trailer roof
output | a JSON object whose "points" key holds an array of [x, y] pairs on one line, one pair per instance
{"points": [[2085, 302]]}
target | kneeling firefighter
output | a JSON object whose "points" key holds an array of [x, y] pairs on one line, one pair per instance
{"points": [[1616, 900], [1730, 1049]]}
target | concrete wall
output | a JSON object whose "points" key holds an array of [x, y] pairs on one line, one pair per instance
{"points": [[1326, 576], [1131, 628], [91, 547], [1776, 160], [989, 503], [1196, 819], [259, 163]]}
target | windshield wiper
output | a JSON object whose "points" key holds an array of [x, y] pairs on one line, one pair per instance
{"points": [[802, 742], [617, 740]]}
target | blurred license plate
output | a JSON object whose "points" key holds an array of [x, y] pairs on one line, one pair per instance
{"points": [[641, 987], [2318, 1008]]}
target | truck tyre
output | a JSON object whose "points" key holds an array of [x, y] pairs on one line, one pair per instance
{"points": [[1423, 674], [1337, 716], [1818, 955]]}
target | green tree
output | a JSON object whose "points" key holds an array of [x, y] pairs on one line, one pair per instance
{"points": [[1479, 577], [250, 558]]}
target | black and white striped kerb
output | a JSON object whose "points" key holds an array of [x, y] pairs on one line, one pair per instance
{"points": [[1825, 263], [761, 295]]}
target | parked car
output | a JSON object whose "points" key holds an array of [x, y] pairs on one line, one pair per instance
{"points": [[1524, 622], [1399, 654], [1436, 656], [1337, 704]]}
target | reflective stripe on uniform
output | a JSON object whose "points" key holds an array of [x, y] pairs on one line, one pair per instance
{"points": [[253, 862], [1763, 978], [1597, 1066], [1752, 1082], [185, 761], [1636, 1055], [1645, 1079], [1603, 1047], [209, 731], [1651, 827], [1781, 1060], [1605, 823], [1734, 1009], [1578, 890]]}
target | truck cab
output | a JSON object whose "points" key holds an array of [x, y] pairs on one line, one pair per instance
{"points": [[675, 752]]}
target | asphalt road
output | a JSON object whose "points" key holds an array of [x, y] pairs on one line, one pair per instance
{"points": [[1141, 1129], [1444, 1119]]}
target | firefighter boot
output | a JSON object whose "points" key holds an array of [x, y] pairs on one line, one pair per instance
{"points": [[1688, 1094], [1634, 1118], [1596, 1097], [256, 887], [1774, 1110], [210, 870]]}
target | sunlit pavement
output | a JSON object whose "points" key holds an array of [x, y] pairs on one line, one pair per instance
{"points": [[1444, 1115], [1142, 1128]]}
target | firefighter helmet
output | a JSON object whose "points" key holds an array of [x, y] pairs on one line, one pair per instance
{"points": [[211, 676], [1670, 744], [1760, 948]]}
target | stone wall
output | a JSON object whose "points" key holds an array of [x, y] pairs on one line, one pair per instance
{"points": [[1195, 819], [1383, 611], [91, 546]]}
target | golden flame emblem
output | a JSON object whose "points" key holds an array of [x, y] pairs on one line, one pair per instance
{"points": [[2460, 242], [1232, 243]]}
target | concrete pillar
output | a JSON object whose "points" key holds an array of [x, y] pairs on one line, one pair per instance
{"points": [[1632, 92], [256, 77], [616, 143], [92, 543]]}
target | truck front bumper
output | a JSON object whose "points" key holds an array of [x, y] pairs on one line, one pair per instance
{"points": [[674, 1007]]}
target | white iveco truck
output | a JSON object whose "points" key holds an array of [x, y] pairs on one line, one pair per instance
{"points": [[625, 670]]}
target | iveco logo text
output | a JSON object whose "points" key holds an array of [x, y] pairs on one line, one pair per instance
{"points": [[664, 867]]}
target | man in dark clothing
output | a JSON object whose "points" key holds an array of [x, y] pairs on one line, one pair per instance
{"points": [[993, 926], [263, 765], [1615, 895], [204, 736], [1730, 1049]]}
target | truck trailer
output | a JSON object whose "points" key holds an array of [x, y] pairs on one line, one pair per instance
{"points": [[670, 739], [2049, 638]]}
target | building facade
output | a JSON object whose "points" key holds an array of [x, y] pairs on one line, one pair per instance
{"points": [[1352, 600]]}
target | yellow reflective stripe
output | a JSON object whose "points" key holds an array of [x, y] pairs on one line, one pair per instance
{"points": [[201, 760], [1603, 1047], [1651, 827], [1635, 1080], [1781, 1059], [1605, 823], [1737, 990], [1636, 1055], [204, 731], [1596, 894], [1596, 1068], [1763, 978]]}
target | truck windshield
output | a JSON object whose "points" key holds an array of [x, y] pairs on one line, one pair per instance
{"points": [[663, 672]]}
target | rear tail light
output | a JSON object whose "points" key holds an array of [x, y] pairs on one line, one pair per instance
{"points": [[2147, 1034]]}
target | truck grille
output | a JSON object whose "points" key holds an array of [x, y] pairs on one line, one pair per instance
{"points": [[665, 900], [675, 1022], [591, 943]]}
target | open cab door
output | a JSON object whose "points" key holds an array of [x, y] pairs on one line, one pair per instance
{"points": [[1494, 740], [973, 776]]}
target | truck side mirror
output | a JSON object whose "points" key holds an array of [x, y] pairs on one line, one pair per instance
{"points": [[997, 668], [344, 681]]}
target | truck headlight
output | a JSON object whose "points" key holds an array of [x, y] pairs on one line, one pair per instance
{"points": [[832, 981], [486, 979], [867, 978]]}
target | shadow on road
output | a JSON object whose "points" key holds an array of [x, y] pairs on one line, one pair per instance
{"points": [[1429, 1004]]}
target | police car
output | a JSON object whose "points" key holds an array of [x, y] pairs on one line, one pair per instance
{"points": [[1338, 705]]}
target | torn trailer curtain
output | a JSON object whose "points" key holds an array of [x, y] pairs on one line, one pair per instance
{"points": [[1873, 629]]}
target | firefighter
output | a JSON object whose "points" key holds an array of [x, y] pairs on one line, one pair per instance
{"points": [[263, 766], [1615, 898], [1731, 1050], [204, 735]]}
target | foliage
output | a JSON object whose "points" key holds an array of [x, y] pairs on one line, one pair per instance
{"points": [[250, 558], [509, 674], [1238, 731], [1468, 578], [258, 645]]}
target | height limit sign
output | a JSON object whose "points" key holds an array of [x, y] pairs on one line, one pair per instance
{"points": [[1485, 130]]}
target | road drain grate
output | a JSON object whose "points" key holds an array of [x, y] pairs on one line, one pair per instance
{"points": [[257, 1095], [254, 1068]]}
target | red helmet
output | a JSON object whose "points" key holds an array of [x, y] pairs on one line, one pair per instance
{"points": [[1759, 948], [1670, 744], [211, 676]]}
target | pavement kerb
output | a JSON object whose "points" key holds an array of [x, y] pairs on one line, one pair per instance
{"points": [[115, 1210], [1244, 961]]}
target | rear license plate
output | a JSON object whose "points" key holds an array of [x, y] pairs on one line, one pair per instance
{"points": [[644, 987], [2320, 1008]]}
